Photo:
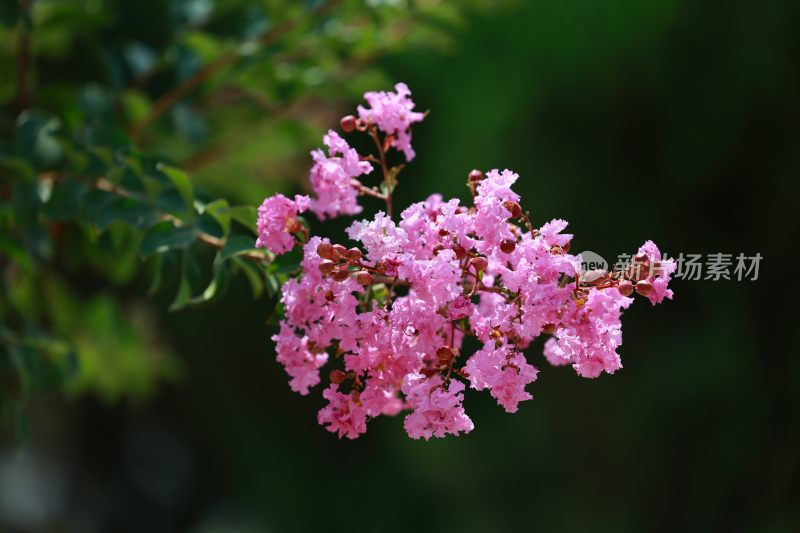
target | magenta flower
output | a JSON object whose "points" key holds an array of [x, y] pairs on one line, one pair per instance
{"points": [[277, 222]]}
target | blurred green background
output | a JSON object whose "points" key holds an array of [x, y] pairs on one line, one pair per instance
{"points": [[667, 120]]}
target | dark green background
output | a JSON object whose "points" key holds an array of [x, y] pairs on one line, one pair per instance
{"points": [[674, 121]]}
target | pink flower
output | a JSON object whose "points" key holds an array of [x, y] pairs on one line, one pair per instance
{"points": [[660, 273], [381, 237], [332, 178], [300, 362], [459, 308], [490, 222], [504, 371], [436, 408], [343, 414], [277, 220], [392, 113]]}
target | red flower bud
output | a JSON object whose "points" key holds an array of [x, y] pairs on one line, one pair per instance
{"points": [[348, 123], [644, 288], [445, 355], [354, 255], [507, 246], [364, 278], [549, 329], [479, 263], [326, 267], [325, 250], [339, 251], [341, 274], [337, 376], [475, 176], [625, 287], [514, 208]]}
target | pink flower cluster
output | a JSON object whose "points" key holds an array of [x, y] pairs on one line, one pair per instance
{"points": [[391, 314]]}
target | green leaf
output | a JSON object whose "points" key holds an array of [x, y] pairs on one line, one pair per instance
{"points": [[218, 211], [245, 215], [219, 282], [158, 263], [165, 236], [237, 245], [253, 276], [66, 201], [34, 138], [183, 296], [134, 213], [181, 182]]}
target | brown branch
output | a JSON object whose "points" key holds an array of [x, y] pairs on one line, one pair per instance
{"points": [[170, 98]]}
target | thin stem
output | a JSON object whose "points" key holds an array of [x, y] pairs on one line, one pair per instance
{"points": [[373, 132]]}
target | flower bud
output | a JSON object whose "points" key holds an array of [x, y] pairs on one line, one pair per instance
{"points": [[364, 278], [337, 376], [339, 251], [644, 287], [348, 123], [461, 253], [445, 355], [479, 263], [341, 274], [475, 176], [549, 329], [514, 208], [507, 246], [326, 267], [325, 250], [354, 255], [625, 287], [293, 225]]}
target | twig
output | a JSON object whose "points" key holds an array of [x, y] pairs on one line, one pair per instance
{"points": [[373, 132]]}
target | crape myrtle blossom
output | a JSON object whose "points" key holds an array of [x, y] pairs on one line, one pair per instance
{"points": [[332, 178], [389, 316], [277, 222], [392, 113]]}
